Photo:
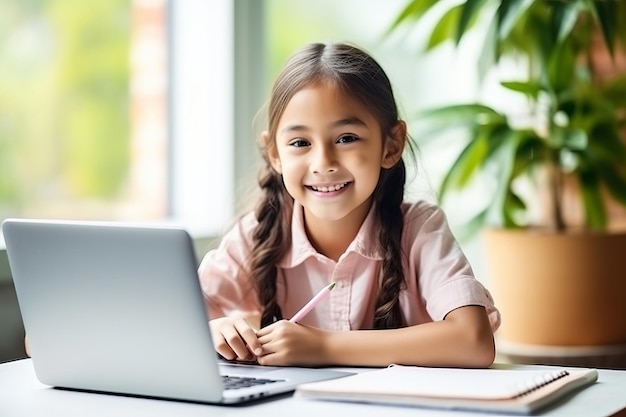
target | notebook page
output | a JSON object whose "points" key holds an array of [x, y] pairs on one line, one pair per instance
{"points": [[478, 384]]}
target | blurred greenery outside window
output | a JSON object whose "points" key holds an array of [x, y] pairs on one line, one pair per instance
{"points": [[82, 107], [98, 122]]}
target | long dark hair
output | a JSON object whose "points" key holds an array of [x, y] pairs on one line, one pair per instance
{"points": [[359, 75]]}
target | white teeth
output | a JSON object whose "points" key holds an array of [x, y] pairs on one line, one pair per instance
{"points": [[329, 189]]}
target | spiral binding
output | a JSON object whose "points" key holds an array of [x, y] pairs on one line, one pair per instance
{"points": [[539, 382]]}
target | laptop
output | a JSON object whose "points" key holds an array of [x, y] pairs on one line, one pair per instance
{"points": [[118, 308]]}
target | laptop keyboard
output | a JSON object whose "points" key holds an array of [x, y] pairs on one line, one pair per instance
{"points": [[235, 382]]}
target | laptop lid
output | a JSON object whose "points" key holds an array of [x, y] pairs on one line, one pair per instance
{"points": [[118, 307]]}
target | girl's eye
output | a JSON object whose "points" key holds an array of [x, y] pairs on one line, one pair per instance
{"points": [[347, 139], [298, 143]]}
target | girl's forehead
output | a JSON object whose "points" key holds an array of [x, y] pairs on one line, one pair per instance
{"points": [[326, 97], [327, 87]]}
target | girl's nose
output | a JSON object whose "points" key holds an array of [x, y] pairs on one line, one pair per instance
{"points": [[323, 161]]}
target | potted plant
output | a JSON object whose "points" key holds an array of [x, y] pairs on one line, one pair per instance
{"points": [[558, 282]]}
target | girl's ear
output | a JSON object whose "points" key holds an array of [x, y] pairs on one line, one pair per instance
{"points": [[394, 145], [272, 152]]}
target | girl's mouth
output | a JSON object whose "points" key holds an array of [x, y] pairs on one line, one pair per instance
{"points": [[327, 188]]}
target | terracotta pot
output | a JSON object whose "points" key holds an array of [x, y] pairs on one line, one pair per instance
{"points": [[564, 289]]}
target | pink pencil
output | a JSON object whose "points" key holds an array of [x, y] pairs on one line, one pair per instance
{"points": [[312, 303]]}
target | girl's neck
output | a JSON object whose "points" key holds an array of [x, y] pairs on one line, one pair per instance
{"points": [[332, 237]]}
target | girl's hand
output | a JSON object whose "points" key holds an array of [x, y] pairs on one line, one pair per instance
{"points": [[285, 344], [234, 338]]}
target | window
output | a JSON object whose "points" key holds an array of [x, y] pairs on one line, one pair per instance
{"points": [[84, 102], [117, 110]]}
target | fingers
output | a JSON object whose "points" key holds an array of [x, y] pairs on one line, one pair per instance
{"points": [[281, 343], [285, 343], [270, 328], [249, 336], [275, 342], [272, 354], [234, 338]]}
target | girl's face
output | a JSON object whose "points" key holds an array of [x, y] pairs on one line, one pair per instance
{"points": [[330, 150]]}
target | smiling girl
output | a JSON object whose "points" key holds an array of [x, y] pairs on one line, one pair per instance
{"points": [[332, 210]]}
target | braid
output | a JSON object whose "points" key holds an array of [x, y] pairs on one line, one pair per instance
{"points": [[389, 195], [269, 240]]}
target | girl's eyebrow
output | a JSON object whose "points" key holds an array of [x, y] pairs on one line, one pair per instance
{"points": [[348, 121]]}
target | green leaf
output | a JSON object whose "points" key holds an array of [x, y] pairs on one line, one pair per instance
{"points": [[513, 203], [468, 113], [593, 202], [538, 47], [565, 18], [530, 88], [561, 67], [445, 28], [499, 135], [605, 142], [468, 116], [504, 154], [482, 148], [531, 151], [465, 166], [469, 13], [509, 14], [616, 183], [605, 13], [489, 54], [414, 11]]}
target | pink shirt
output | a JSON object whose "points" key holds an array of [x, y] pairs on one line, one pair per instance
{"points": [[439, 278]]}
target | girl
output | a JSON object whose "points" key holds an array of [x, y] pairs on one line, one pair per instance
{"points": [[332, 210]]}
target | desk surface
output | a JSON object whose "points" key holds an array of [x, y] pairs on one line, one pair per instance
{"points": [[22, 395]]}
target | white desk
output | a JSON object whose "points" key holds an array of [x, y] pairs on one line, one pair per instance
{"points": [[21, 395]]}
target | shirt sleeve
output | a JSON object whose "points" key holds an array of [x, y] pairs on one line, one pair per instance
{"points": [[445, 278], [223, 274]]}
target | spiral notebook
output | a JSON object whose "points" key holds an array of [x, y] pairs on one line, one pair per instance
{"points": [[520, 391]]}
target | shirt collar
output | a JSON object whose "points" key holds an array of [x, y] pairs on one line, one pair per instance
{"points": [[301, 248]]}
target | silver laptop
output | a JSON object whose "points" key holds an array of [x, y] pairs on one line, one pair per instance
{"points": [[118, 308]]}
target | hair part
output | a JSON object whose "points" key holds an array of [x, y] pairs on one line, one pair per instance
{"points": [[357, 74]]}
